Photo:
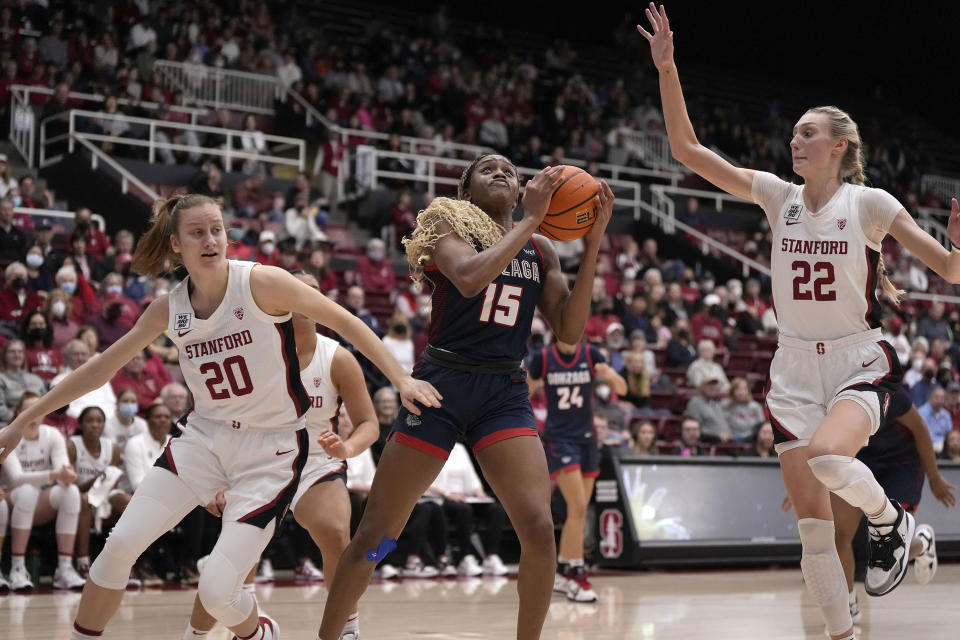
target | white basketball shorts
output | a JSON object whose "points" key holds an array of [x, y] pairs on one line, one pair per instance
{"points": [[808, 378], [259, 469]]}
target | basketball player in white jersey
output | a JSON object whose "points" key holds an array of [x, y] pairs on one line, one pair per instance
{"points": [[231, 322], [332, 377], [90, 453], [832, 375], [43, 488]]}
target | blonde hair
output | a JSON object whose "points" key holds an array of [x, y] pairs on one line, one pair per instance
{"points": [[154, 248], [466, 220], [852, 170]]}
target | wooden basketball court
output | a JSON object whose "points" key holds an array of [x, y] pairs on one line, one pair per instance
{"points": [[714, 605]]}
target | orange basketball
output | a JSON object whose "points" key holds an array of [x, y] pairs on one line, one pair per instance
{"points": [[573, 207]]}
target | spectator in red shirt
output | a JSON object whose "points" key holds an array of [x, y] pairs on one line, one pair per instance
{"points": [[266, 252], [374, 271], [596, 327], [15, 300], [403, 216], [83, 300], [43, 359], [134, 376], [707, 323], [322, 272], [98, 243], [237, 249]]}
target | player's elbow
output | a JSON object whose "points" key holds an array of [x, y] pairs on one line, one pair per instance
{"points": [[569, 335]]}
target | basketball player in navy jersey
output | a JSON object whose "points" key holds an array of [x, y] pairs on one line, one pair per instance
{"points": [[489, 276], [899, 454], [568, 372]]}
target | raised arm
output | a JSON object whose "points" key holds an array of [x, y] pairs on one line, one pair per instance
{"points": [[277, 292], [683, 139], [945, 262], [567, 311], [93, 374], [469, 270]]}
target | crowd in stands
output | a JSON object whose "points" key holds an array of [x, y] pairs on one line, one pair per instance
{"points": [[692, 350]]}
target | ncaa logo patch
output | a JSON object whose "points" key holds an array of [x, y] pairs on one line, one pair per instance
{"points": [[413, 420], [317, 381], [841, 223], [238, 312], [182, 321]]}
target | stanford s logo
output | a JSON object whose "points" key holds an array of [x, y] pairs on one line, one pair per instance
{"points": [[821, 349], [611, 533], [841, 223]]}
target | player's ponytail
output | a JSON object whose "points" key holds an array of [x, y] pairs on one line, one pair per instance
{"points": [[843, 126], [154, 250], [888, 287]]}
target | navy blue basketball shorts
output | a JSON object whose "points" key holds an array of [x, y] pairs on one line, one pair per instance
{"points": [[570, 455], [479, 408], [901, 482]]}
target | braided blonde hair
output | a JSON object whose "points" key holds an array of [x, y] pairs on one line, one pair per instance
{"points": [[466, 220], [852, 170]]}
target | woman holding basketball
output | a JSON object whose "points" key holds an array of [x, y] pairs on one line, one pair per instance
{"points": [[489, 276], [246, 430], [832, 375]]}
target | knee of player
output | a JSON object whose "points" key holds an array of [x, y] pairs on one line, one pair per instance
{"points": [[535, 528], [832, 471], [71, 499], [330, 535], [25, 497]]}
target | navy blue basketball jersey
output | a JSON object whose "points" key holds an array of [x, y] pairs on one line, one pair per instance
{"points": [[496, 323], [568, 381], [892, 443]]}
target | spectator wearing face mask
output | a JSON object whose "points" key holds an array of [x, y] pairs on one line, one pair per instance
{"points": [[123, 423], [399, 342], [15, 300], [134, 375], [42, 358], [39, 270], [115, 318], [83, 299], [237, 249], [374, 272], [58, 309], [680, 352], [75, 354], [266, 252], [920, 391]]}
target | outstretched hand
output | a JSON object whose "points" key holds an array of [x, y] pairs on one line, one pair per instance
{"points": [[953, 223], [661, 41], [538, 191]]}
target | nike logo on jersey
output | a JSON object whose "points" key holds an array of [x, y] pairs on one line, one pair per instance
{"points": [[790, 222], [867, 364], [180, 334], [282, 453]]}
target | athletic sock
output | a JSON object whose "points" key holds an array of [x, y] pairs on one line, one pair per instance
{"points": [[562, 565], [886, 517], [576, 562], [192, 633], [852, 597], [79, 633], [83, 561], [64, 561], [17, 562], [352, 624]]}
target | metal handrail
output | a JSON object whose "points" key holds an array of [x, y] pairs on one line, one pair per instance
{"points": [[97, 155], [56, 213], [228, 153], [369, 175], [193, 112], [617, 171], [223, 88]]}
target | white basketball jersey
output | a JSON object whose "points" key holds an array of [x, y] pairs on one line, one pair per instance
{"points": [[240, 364], [46, 453], [824, 264], [324, 399], [88, 467]]}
